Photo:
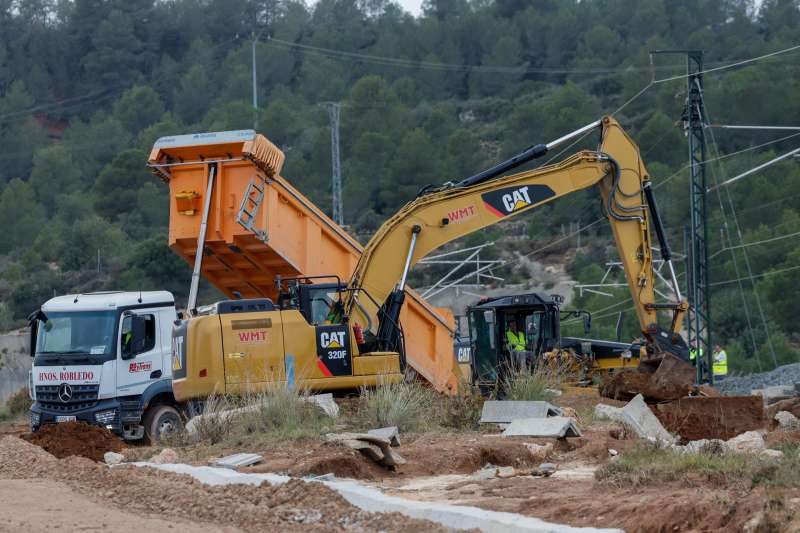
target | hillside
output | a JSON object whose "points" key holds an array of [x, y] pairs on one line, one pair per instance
{"points": [[86, 86]]}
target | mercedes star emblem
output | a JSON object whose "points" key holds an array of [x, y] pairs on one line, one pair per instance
{"points": [[65, 392]]}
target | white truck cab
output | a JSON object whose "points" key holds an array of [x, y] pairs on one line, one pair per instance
{"points": [[105, 358]]}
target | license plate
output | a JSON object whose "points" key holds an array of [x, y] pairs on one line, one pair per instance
{"points": [[65, 418]]}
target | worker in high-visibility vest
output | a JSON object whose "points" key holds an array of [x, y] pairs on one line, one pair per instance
{"points": [[693, 351], [515, 340], [720, 366]]}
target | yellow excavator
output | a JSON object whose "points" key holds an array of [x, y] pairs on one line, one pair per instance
{"points": [[326, 335]]}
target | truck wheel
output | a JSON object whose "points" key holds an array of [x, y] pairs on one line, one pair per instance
{"points": [[161, 421]]}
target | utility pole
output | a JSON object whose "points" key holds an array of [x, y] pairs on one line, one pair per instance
{"points": [[699, 316], [336, 172], [255, 88]]}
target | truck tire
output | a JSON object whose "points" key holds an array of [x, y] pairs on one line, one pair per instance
{"points": [[160, 421]]}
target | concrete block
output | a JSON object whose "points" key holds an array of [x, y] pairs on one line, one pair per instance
{"points": [[504, 412], [554, 427], [326, 403], [238, 460], [637, 416], [391, 433]]}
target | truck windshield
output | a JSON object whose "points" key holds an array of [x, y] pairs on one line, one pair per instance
{"points": [[77, 332]]}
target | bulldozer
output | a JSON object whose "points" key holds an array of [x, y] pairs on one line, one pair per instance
{"points": [[248, 344]]}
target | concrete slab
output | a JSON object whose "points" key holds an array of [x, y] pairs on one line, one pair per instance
{"points": [[504, 412], [637, 416], [391, 433], [373, 500], [238, 460], [554, 427]]}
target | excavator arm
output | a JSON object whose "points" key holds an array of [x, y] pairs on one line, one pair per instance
{"points": [[454, 210]]}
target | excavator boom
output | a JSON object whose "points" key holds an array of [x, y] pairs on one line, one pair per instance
{"points": [[439, 216]]}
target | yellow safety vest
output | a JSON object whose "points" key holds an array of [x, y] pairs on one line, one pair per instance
{"points": [[693, 354], [517, 341], [720, 366]]}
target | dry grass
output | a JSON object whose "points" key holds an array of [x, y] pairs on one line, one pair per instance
{"points": [[655, 465], [409, 406], [461, 411], [529, 384]]}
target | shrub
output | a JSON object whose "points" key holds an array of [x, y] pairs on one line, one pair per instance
{"points": [[462, 410], [409, 406], [282, 413], [520, 382], [19, 403], [214, 425]]}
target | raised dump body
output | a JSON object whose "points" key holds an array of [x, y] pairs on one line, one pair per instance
{"points": [[260, 227]]}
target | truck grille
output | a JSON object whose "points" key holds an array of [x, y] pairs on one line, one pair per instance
{"points": [[83, 397]]}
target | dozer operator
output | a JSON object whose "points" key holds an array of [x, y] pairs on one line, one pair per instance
{"points": [[238, 346]]}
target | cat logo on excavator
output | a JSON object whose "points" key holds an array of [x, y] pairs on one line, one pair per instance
{"points": [[509, 200]]}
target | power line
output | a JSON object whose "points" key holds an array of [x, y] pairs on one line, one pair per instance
{"points": [[748, 244], [756, 169], [731, 65], [431, 65], [738, 228], [756, 276]]}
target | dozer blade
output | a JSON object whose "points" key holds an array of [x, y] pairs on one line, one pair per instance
{"points": [[657, 379]]}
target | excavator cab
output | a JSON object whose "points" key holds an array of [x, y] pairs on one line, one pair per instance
{"points": [[319, 303]]}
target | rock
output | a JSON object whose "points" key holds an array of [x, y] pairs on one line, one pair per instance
{"points": [[747, 442], [706, 446], [165, 457], [775, 454], [569, 412], [539, 452], [638, 417], [787, 421], [113, 458], [612, 452], [374, 447], [547, 469], [606, 412]]}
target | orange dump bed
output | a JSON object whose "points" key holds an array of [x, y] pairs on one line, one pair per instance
{"points": [[260, 227]]}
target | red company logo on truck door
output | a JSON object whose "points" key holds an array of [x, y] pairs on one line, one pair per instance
{"points": [[142, 366]]}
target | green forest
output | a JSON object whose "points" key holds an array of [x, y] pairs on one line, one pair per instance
{"points": [[86, 86]]}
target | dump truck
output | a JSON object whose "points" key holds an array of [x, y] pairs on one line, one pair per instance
{"points": [[362, 338]]}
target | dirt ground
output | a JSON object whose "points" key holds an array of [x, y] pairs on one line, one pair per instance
{"points": [[465, 468], [178, 499], [40, 505]]}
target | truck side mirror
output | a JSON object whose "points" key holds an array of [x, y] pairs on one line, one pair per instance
{"points": [[34, 331], [587, 323], [33, 323]]}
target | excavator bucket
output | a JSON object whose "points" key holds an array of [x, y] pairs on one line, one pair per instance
{"points": [[661, 378]]}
